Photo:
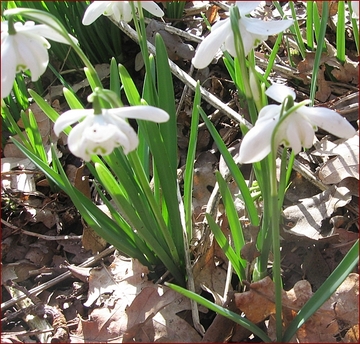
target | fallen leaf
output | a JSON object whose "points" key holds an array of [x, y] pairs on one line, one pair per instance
{"points": [[162, 324], [306, 218], [132, 308], [204, 181], [339, 312], [344, 165], [92, 241]]}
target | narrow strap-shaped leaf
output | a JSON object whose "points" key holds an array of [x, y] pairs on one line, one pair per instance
{"points": [[235, 172], [130, 89], [44, 106], [226, 247], [95, 218], [72, 99], [114, 77], [222, 311], [233, 217], [190, 160], [166, 102]]}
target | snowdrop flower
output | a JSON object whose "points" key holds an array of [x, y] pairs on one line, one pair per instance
{"points": [[101, 133], [24, 46], [296, 130], [253, 32], [118, 10]]}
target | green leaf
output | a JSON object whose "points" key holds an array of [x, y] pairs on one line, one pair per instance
{"points": [[44, 106], [114, 77], [190, 160], [222, 311], [72, 99], [95, 218], [233, 218], [225, 246], [166, 102], [235, 172], [130, 89]]}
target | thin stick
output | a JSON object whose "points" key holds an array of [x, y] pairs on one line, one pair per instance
{"points": [[37, 290]]}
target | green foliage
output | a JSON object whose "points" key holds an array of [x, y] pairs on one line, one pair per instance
{"points": [[175, 9]]}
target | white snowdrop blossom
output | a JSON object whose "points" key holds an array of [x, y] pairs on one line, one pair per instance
{"points": [[296, 130], [24, 49], [253, 32], [118, 10], [101, 133]]}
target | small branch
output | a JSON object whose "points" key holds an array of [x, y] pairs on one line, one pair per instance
{"points": [[37, 290]]}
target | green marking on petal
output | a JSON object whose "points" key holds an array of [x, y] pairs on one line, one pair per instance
{"points": [[257, 42], [100, 150], [20, 67]]}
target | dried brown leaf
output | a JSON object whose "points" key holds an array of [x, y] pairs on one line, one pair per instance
{"points": [[323, 326], [307, 217]]}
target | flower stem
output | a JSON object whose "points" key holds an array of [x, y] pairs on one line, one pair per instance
{"points": [[275, 231], [11, 28]]}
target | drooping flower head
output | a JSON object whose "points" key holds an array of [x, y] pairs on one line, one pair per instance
{"points": [[253, 32], [296, 130], [118, 10], [23, 47], [99, 132]]}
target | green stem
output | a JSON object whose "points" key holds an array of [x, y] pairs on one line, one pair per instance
{"points": [[96, 105], [299, 39], [319, 50], [241, 58], [275, 231], [340, 32], [309, 24], [141, 31], [11, 28]]}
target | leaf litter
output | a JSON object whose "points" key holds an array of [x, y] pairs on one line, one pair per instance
{"points": [[117, 301]]}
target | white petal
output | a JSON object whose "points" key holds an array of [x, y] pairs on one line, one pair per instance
{"points": [[70, 117], [8, 66], [106, 133], [256, 144], [122, 11], [4, 26], [269, 113], [145, 112], [42, 17], [261, 27], [127, 137], [307, 134], [292, 136], [250, 40], [94, 11], [152, 7], [33, 53], [48, 32], [102, 136], [329, 120], [211, 44], [279, 92], [245, 7], [76, 140]]}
